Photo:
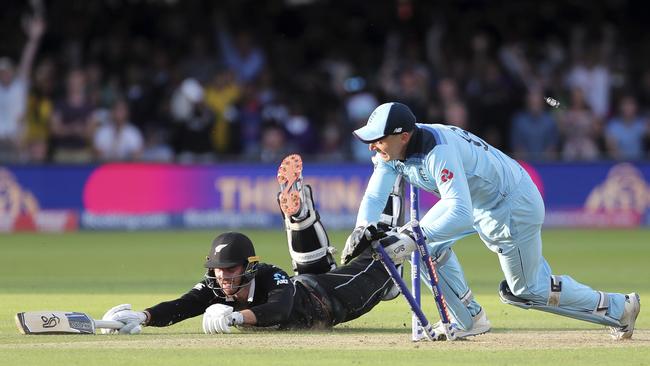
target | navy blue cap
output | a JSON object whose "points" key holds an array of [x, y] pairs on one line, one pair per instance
{"points": [[387, 119]]}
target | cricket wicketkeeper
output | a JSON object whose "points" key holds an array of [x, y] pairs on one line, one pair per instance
{"points": [[482, 191], [238, 290]]}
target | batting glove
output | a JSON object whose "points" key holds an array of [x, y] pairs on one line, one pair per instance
{"points": [[398, 246], [132, 319], [218, 318]]}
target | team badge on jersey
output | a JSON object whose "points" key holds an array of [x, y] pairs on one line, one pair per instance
{"points": [[446, 175]]}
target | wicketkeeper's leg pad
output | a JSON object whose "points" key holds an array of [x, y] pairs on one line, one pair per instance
{"points": [[598, 315], [458, 296], [309, 245]]}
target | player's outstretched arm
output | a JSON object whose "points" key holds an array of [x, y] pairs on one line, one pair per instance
{"points": [[191, 304], [133, 320]]}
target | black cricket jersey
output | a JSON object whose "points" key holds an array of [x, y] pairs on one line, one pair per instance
{"points": [[273, 297]]}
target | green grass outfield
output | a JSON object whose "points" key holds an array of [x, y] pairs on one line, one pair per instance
{"points": [[91, 272]]}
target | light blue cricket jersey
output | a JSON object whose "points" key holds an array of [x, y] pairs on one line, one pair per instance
{"points": [[471, 178]]}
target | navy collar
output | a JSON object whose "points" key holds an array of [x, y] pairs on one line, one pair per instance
{"points": [[414, 145]]}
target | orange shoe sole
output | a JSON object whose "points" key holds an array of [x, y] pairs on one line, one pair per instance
{"points": [[289, 172]]}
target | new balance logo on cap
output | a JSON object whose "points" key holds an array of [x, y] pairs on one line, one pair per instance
{"points": [[387, 119]]}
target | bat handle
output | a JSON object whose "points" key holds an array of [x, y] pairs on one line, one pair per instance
{"points": [[108, 324]]}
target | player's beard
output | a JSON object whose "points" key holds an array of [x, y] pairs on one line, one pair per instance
{"points": [[230, 288]]}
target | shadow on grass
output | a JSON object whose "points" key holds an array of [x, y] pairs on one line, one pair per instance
{"points": [[359, 331]]}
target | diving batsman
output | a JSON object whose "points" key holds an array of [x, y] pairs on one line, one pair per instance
{"points": [[239, 290]]}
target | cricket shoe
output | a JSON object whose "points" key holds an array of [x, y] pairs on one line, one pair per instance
{"points": [[481, 325], [630, 313], [290, 180]]}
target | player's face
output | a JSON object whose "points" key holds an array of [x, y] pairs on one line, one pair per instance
{"points": [[229, 278], [390, 147]]}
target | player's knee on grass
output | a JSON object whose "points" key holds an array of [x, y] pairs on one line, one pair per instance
{"points": [[309, 245]]}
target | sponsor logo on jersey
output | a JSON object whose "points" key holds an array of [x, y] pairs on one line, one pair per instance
{"points": [[446, 175], [280, 279]]}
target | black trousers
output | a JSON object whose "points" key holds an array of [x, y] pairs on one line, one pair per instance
{"points": [[351, 290]]}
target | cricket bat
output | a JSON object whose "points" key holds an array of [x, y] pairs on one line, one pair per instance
{"points": [[61, 322]]}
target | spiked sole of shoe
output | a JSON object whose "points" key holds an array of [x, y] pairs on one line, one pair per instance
{"points": [[289, 172]]}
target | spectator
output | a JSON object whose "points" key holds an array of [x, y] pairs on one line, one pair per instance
{"points": [[626, 132], [242, 56], [71, 123], [338, 70], [456, 115], [593, 78], [40, 106], [300, 130], [403, 76], [14, 85], [274, 144], [221, 96], [97, 95], [199, 64], [476, 60], [359, 103], [490, 96], [118, 139], [534, 134], [447, 94], [249, 119], [580, 129], [194, 122], [413, 89], [156, 148], [332, 138]]}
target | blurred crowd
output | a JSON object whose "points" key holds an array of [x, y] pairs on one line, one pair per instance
{"points": [[204, 81]]}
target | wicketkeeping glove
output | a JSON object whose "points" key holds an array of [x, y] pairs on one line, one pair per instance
{"points": [[218, 318], [358, 241], [132, 319]]}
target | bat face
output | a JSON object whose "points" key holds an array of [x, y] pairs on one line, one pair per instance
{"points": [[54, 322]]}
